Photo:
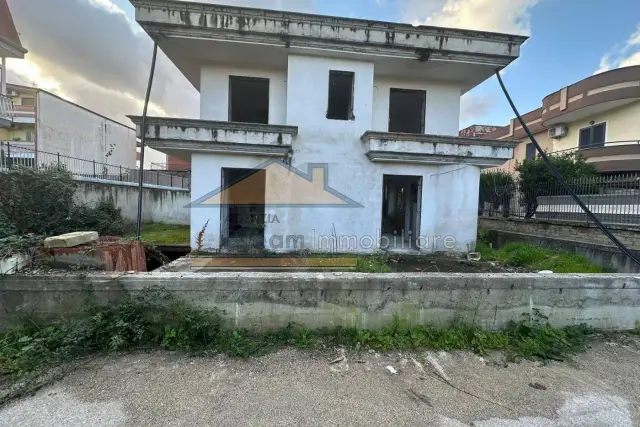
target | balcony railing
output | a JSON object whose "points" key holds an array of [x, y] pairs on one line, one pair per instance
{"points": [[600, 145], [6, 108]]}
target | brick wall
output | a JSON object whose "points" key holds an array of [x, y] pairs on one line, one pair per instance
{"points": [[629, 235], [176, 164]]}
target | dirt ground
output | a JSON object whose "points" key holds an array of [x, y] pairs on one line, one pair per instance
{"points": [[293, 388], [443, 264]]}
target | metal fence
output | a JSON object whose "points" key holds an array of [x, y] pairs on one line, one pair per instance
{"points": [[614, 200], [17, 154]]}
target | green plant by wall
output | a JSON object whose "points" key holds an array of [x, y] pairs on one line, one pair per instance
{"points": [[497, 188], [36, 201], [156, 319], [536, 179], [41, 201]]}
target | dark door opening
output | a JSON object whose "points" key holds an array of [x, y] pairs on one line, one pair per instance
{"points": [[401, 206], [248, 99], [242, 213], [407, 110]]}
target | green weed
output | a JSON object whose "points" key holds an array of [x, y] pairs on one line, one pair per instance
{"points": [[156, 319], [536, 258], [372, 264]]}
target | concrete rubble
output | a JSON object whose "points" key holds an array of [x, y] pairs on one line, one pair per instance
{"points": [[71, 240]]}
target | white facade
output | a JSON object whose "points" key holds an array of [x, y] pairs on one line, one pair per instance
{"points": [[358, 153], [66, 128], [299, 98]]}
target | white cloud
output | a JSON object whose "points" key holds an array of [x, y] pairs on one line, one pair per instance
{"points": [[474, 108], [90, 52], [625, 56], [507, 16]]}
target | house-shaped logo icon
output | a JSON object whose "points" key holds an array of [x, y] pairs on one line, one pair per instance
{"points": [[276, 184]]}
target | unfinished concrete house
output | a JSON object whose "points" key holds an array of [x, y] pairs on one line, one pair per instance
{"points": [[326, 133]]}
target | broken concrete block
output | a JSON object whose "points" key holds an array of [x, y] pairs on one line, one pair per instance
{"points": [[71, 240], [104, 255]]}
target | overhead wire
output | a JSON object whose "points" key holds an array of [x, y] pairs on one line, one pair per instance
{"points": [[561, 180]]}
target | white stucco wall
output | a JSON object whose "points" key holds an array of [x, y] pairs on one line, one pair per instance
{"points": [[442, 112], [214, 91], [68, 129], [159, 205], [449, 192]]}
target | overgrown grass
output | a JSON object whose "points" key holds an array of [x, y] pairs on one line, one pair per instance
{"points": [[372, 264], [164, 234], [536, 258], [156, 319]]}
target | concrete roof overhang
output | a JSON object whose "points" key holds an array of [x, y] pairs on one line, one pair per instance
{"points": [[192, 34]]}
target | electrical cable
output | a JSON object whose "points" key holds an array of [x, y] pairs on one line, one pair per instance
{"points": [[560, 179], [143, 135]]}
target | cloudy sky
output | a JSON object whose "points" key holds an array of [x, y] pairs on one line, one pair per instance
{"points": [[93, 53]]}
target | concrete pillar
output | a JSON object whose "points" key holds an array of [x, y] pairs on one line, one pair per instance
{"points": [[3, 77]]}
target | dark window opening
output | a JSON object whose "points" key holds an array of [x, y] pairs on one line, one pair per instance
{"points": [[592, 136], [340, 95], [531, 151], [407, 110], [248, 99]]}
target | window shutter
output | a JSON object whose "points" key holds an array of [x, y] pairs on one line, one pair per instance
{"points": [[597, 138], [585, 137]]}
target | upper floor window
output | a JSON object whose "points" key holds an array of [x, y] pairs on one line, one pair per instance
{"points": [[28, 102], [592, 136], [530, 151], [248, 99], [407, 110], [340, 95]]}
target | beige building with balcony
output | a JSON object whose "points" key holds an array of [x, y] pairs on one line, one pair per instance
{"points": [[599, 116]]}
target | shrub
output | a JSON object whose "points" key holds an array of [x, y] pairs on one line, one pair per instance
{"points": [[497, 188], [36, 201], [41, 201], [536, 178], [7, 228], [104, 218]]}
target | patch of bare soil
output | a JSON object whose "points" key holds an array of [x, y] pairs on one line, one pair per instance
{"points": [[440, 263]]}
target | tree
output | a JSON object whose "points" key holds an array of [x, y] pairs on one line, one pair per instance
{"points": [[497, 188], [536, 179]]}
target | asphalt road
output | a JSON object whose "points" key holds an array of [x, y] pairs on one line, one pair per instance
{"points": [[292, 388]]}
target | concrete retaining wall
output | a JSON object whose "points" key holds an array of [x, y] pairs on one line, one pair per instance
{"points": [[566, 230], [270, 300], [582, 239], [159, 204]]}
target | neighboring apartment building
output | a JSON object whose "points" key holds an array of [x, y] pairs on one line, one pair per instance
{"points": [[10, 47], [45, 124], [326, 133], [599, 116]]}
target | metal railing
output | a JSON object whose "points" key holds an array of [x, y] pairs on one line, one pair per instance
{"points": [[615, 200], [6, 108], [17, 154], [591, 146]]}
